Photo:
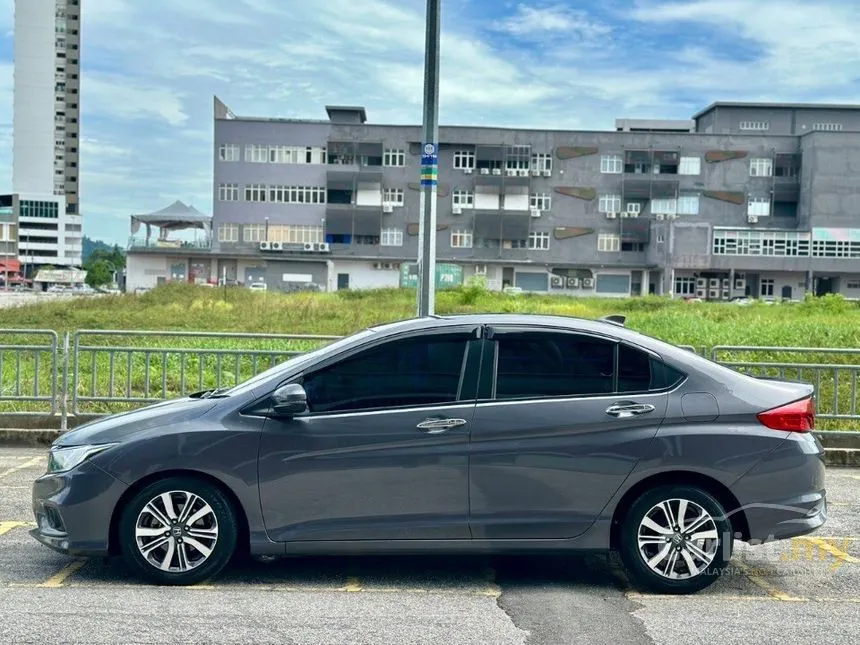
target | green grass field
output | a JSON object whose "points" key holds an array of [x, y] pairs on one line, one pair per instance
{"points": [[146, 370]]}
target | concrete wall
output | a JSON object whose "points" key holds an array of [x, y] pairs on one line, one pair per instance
{"points": [[362, 275]]}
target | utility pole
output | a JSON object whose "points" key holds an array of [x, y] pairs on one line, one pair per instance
{"points": [[429, 163]]}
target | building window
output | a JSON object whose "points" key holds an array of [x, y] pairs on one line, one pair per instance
{"points": [[766, 287], [611, 164], [542, 161], [608, 243], [297, 194], [852, 284], [228, 152], [228, 192], [827, 127], [761, 167], [539, 241], [464, 159], [392, 237], [685, 286], [754, 125], [254, 233], [609, 204], [541, 201], [688, 205], [366, 240], [30, 208], [461, 238], [256, 154], [393, 157], [255, 193], [758, 206], [393, 196], [690, 166], [228, 233], [295, 234], [664, 206], [463, 198], [770, 243]]}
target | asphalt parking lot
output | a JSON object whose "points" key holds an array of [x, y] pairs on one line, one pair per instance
{"points": [[804, 590]]}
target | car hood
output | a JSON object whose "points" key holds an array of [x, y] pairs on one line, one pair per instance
{"points": [[120, 426]]}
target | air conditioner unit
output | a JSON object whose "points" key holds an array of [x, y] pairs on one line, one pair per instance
{"points": [[377, 265], [573, 283], [701, 293], [534, 212], [714, 283], [523, 172], [485, 171], [324, 247], [511, 172], [467, 171], [497, 172], [265, 246], [308, 246], [481, 269], [535, 172], [633, 214], [659, 217], [388, 207], [556, 282], [740, 285], [726, 283], [701, 283], [753, 219], [714, 294], [611, 215], [672, 215], [388, 266], [624, 214], [547, 173], [588, 283], [725, 294], [457, 209], [277, 246]]}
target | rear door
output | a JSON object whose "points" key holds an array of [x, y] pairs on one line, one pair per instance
{"points": [[561, 420]]}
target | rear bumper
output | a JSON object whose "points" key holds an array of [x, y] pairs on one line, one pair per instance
{"points": [[784, 495]]}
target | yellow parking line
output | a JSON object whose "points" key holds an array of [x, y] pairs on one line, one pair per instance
{"points": [[738, 598], [766, 586], [825, 545], [56, 581], [352, 585], [5, 527], [35, 461]]}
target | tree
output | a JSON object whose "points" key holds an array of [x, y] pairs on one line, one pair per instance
{"points": [[99, 272]]}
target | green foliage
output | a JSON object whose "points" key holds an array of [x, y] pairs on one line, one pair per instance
{"points": [[99, 273]]}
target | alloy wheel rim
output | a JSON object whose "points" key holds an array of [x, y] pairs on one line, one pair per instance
{"points": [[176, 531], [678, 539]]}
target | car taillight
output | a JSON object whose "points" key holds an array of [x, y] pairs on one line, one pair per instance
{"points": [[794, 417]]}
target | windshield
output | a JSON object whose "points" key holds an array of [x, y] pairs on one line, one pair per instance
{"points": [[296, 361]]}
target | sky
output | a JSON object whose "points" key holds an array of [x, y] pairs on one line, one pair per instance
{"points": [[150, 70]]}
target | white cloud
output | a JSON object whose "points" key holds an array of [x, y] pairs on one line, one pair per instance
{"points": [[114, 96], [539, 21]]}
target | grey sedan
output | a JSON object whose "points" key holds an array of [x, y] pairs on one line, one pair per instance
{"points": [[479, 433]]}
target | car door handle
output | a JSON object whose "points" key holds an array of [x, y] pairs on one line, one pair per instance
{"points": [[437, 426], [627, 410]]}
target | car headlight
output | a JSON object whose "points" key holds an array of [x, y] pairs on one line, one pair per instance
{"points": [[62, 459]]}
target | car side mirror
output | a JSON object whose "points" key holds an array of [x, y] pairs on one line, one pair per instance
{"points": [[289, 400]]}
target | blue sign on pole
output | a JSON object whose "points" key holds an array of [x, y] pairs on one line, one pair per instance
{"points": [[429, 164]]}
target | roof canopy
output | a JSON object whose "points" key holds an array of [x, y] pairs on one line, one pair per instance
{"points": [[176, 217]]}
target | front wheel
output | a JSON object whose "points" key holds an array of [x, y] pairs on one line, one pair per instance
{"points": [[675, 539], [178, 531]]}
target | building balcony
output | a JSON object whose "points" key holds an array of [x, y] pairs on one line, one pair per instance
{"points": [[138, 243]]}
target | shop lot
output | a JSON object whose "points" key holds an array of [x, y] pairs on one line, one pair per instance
{"points": [[802, 590]]}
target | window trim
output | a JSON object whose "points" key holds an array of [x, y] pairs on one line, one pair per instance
{"points": [[493, 331], [471, 334]]}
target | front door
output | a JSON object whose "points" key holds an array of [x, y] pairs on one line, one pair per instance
{"points": [[559, 430], [382, 453], [342, 281]]}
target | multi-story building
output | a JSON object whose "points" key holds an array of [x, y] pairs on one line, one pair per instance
{"points": [[45, 199], [744, 199]]}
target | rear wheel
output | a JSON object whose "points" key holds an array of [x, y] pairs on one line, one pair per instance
{"points": [[178, 531], [675, 539]]}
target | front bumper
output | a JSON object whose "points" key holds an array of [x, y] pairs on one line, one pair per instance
{"points": [[73, 510]]}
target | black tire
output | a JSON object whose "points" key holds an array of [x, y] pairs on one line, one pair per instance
{"points": [[197, 566], [644, 576]]}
